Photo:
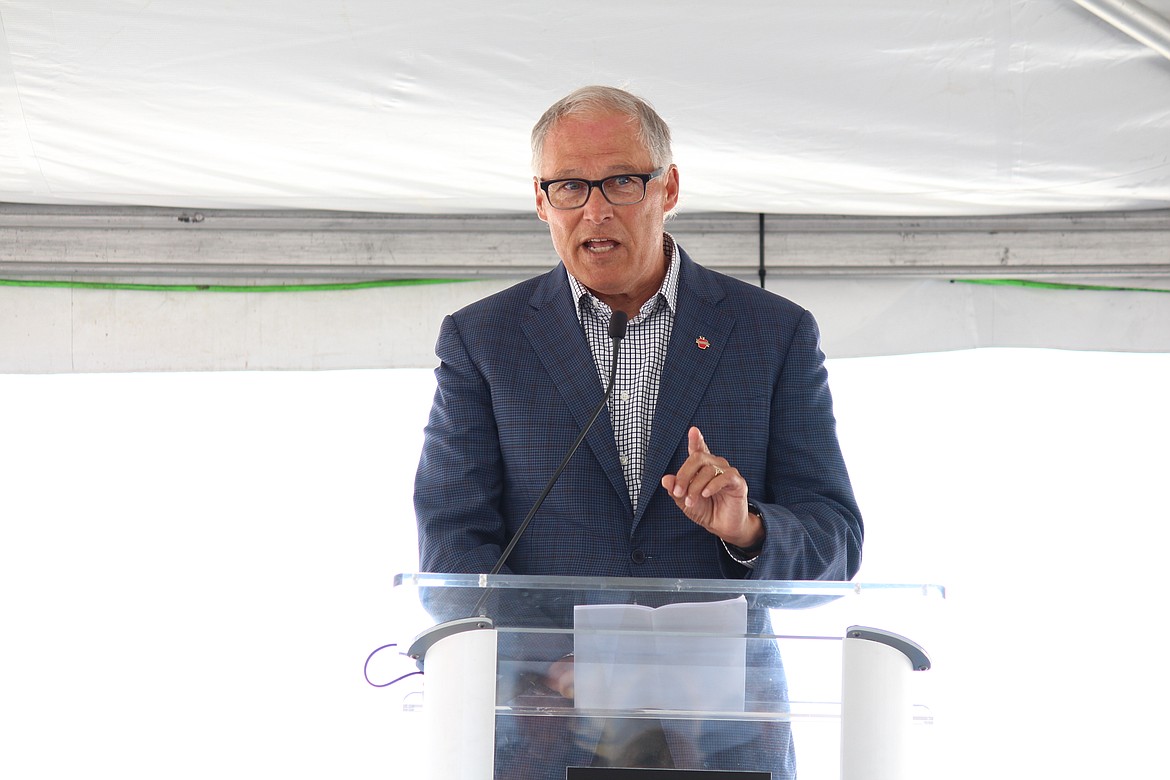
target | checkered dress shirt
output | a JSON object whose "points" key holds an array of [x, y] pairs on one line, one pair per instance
{"points": [[640, 361]]}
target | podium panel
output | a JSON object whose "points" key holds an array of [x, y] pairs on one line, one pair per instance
{"points": [[707, 676]]}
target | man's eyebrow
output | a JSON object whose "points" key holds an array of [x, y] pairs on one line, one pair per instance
{"points": [[613, 170]]}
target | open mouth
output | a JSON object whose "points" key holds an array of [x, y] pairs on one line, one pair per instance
{"points": [[600, 245]]}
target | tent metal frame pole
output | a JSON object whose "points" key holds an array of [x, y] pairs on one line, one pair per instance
{"points": [[1135, 20], [149, 244], [763, 257]]}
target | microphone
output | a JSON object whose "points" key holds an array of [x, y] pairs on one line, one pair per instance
{"points": [[617, 331]]}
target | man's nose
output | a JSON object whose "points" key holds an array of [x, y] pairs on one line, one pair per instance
{"points": [[597, 208]]}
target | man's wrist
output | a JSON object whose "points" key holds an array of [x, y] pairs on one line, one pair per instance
{"points": [[753, 550]]}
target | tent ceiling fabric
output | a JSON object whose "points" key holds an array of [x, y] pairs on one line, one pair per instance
{"points": [[909, 107], [1025, 136]]}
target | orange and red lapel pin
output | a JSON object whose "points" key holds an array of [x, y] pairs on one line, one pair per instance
{"points": [[702, 343]]}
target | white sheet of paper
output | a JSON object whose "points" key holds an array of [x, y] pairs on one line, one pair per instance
{"points": [[686, 656]]}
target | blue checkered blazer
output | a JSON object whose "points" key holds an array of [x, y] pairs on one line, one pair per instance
{"points": [[516, 383]]}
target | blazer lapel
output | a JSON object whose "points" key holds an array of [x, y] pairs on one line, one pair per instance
{"points": [[700, 334], [555, 334]]}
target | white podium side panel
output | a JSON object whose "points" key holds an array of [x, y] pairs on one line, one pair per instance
{"points": [[876, 710], [460, 707]]}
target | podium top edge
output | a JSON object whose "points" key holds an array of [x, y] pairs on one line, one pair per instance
{"points": [[655, 585]]}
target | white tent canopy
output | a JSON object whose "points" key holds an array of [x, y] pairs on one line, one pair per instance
{"points": [[866, 156]]}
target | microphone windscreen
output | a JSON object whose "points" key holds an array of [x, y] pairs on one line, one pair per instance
{"points": [[617, 324]]}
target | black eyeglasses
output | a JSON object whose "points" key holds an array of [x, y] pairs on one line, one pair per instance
{"points": [[624, 189]]}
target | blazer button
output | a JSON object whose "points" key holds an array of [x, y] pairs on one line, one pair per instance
{"points": [[637, 556]]}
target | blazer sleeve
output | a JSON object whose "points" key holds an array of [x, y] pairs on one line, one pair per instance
{"points": [[458, 505], [812, 523], [460, 474]]}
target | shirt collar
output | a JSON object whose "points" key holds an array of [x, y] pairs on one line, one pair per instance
{"points": [[667, 292]]}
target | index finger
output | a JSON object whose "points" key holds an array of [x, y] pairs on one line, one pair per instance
{"points": [[696, 442]]}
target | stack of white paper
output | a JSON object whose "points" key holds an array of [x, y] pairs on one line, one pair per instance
{"points": [[674, 657]]}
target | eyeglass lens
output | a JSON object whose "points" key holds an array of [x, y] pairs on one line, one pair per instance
{"points": [[619, 190]]}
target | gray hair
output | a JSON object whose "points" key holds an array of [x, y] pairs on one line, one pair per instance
{"points": [[652, 130]]}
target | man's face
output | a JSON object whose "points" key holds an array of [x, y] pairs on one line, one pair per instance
{"points": [[615, 251]]}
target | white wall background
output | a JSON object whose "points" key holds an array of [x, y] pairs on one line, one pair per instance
{"points": [[195, 566]]}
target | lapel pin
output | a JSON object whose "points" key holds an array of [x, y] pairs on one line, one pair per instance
{"points": [[702, 343]]}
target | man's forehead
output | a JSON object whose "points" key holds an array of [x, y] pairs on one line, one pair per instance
{"points": [[589, 145]]}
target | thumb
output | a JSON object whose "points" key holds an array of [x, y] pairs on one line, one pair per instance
{"points": [[695, 442]]}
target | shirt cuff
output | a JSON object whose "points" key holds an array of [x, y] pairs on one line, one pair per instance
{"points": [[738, 555]]}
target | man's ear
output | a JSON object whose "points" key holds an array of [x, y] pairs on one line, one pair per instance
{"points": [[671, 200], [541, 206]]}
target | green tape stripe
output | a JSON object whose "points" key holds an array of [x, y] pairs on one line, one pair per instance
{"points": [[228, 288], [335, 286], [1057, 285]]}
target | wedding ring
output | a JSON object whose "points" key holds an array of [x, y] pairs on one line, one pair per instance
{"points": [[718, 471]]}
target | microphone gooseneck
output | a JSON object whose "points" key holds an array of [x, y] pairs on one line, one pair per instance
{"points": [[617, 331]]}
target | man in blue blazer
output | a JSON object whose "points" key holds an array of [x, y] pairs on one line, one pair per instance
{"points": [[718, 457]]}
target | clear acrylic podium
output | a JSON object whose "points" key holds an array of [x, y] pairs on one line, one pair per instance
{"points": [[590, 678]]}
